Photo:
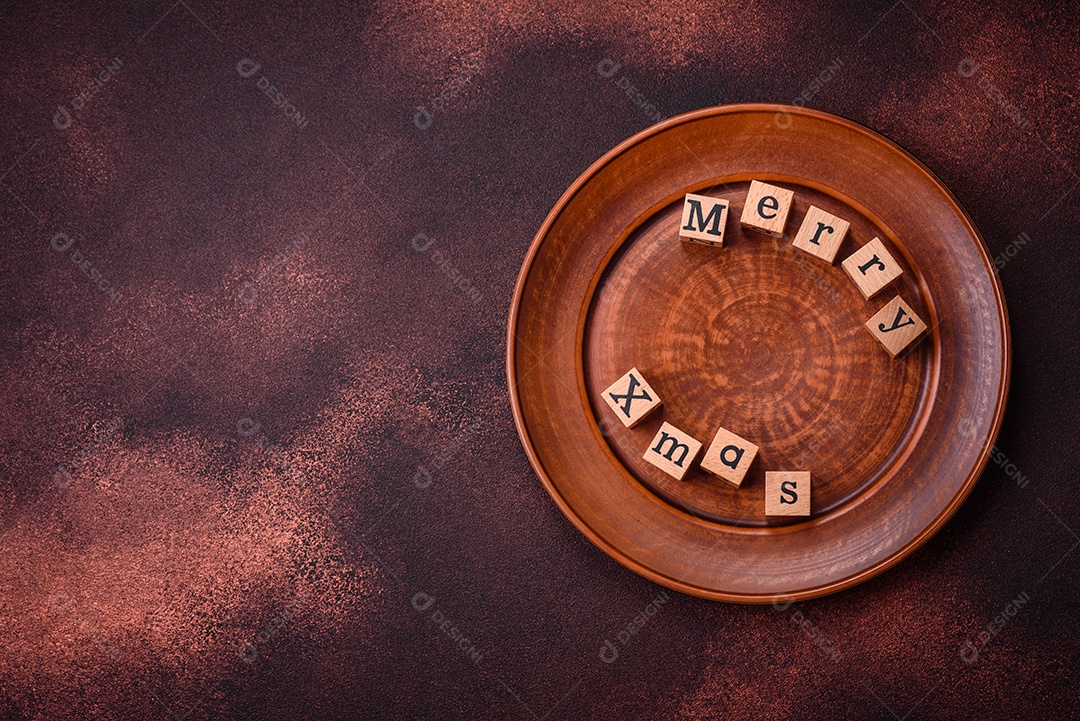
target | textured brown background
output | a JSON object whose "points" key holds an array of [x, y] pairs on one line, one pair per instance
{"points": [[164, 557]]}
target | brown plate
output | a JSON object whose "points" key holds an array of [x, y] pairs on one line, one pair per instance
{"points": [[764, 340]]}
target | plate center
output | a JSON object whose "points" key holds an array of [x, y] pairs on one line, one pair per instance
{"points": [[758, 342]]}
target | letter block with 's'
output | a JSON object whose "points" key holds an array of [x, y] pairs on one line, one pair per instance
{"points": [[787, 493]]}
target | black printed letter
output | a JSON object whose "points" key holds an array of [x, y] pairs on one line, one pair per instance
{"points": [[733, 463], [675, 445], [770, 203], [817, 234], [896, 323], [630, 397], [873, 261], [702, 222], [789, 492]]}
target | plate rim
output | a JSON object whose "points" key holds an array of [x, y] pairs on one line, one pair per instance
{"points": [[749, 598]]}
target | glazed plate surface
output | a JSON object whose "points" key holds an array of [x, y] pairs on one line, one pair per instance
{"points": [[762, 339]]}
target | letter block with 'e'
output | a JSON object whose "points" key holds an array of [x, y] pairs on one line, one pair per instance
{"points": [[787, 493], [766, 208], [672, 451], [896, 326], [703, 219], [871, 268], [632, 398], [729, 457], [821, 234]]}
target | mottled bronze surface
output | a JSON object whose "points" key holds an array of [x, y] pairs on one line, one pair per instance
{"points": [[258, 459]]}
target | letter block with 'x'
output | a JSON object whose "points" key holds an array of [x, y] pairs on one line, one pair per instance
{"points": [[632, 398]]}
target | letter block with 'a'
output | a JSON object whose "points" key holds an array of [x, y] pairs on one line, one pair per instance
{"points": [[729, 457], [672, 451], [787, 493], [766, 208], [896, 326], [703, 219], [632, 398]]}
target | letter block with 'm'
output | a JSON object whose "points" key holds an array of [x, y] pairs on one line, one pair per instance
{"points": [[729, 457], [672, 451], [821, 234], [766, 208], [632, 398], [896, 326], [787, 493], [871, 268], [703, 219]]}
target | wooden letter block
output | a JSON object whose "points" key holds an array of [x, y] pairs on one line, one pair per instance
{"points": [[632, 398], [871, 268], [729, 457], [703, 219], [787, 493], [896, 326], [766, 208], [672, 451], [821, 234]]}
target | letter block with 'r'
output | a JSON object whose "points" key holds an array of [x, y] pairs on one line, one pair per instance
{"points": [[729, 457], [672, 451], [871, 268], [896, 326], [703, 219], [787, 493], [632, 398], [821, 234], [766, 208]]}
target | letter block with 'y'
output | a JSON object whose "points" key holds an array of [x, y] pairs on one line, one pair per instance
{"points": [[672, 451], [703, 219], [632, 398], [729, 457], [896, 326], [766, 208], [787, 493], [871, 268], [821, 234]]}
